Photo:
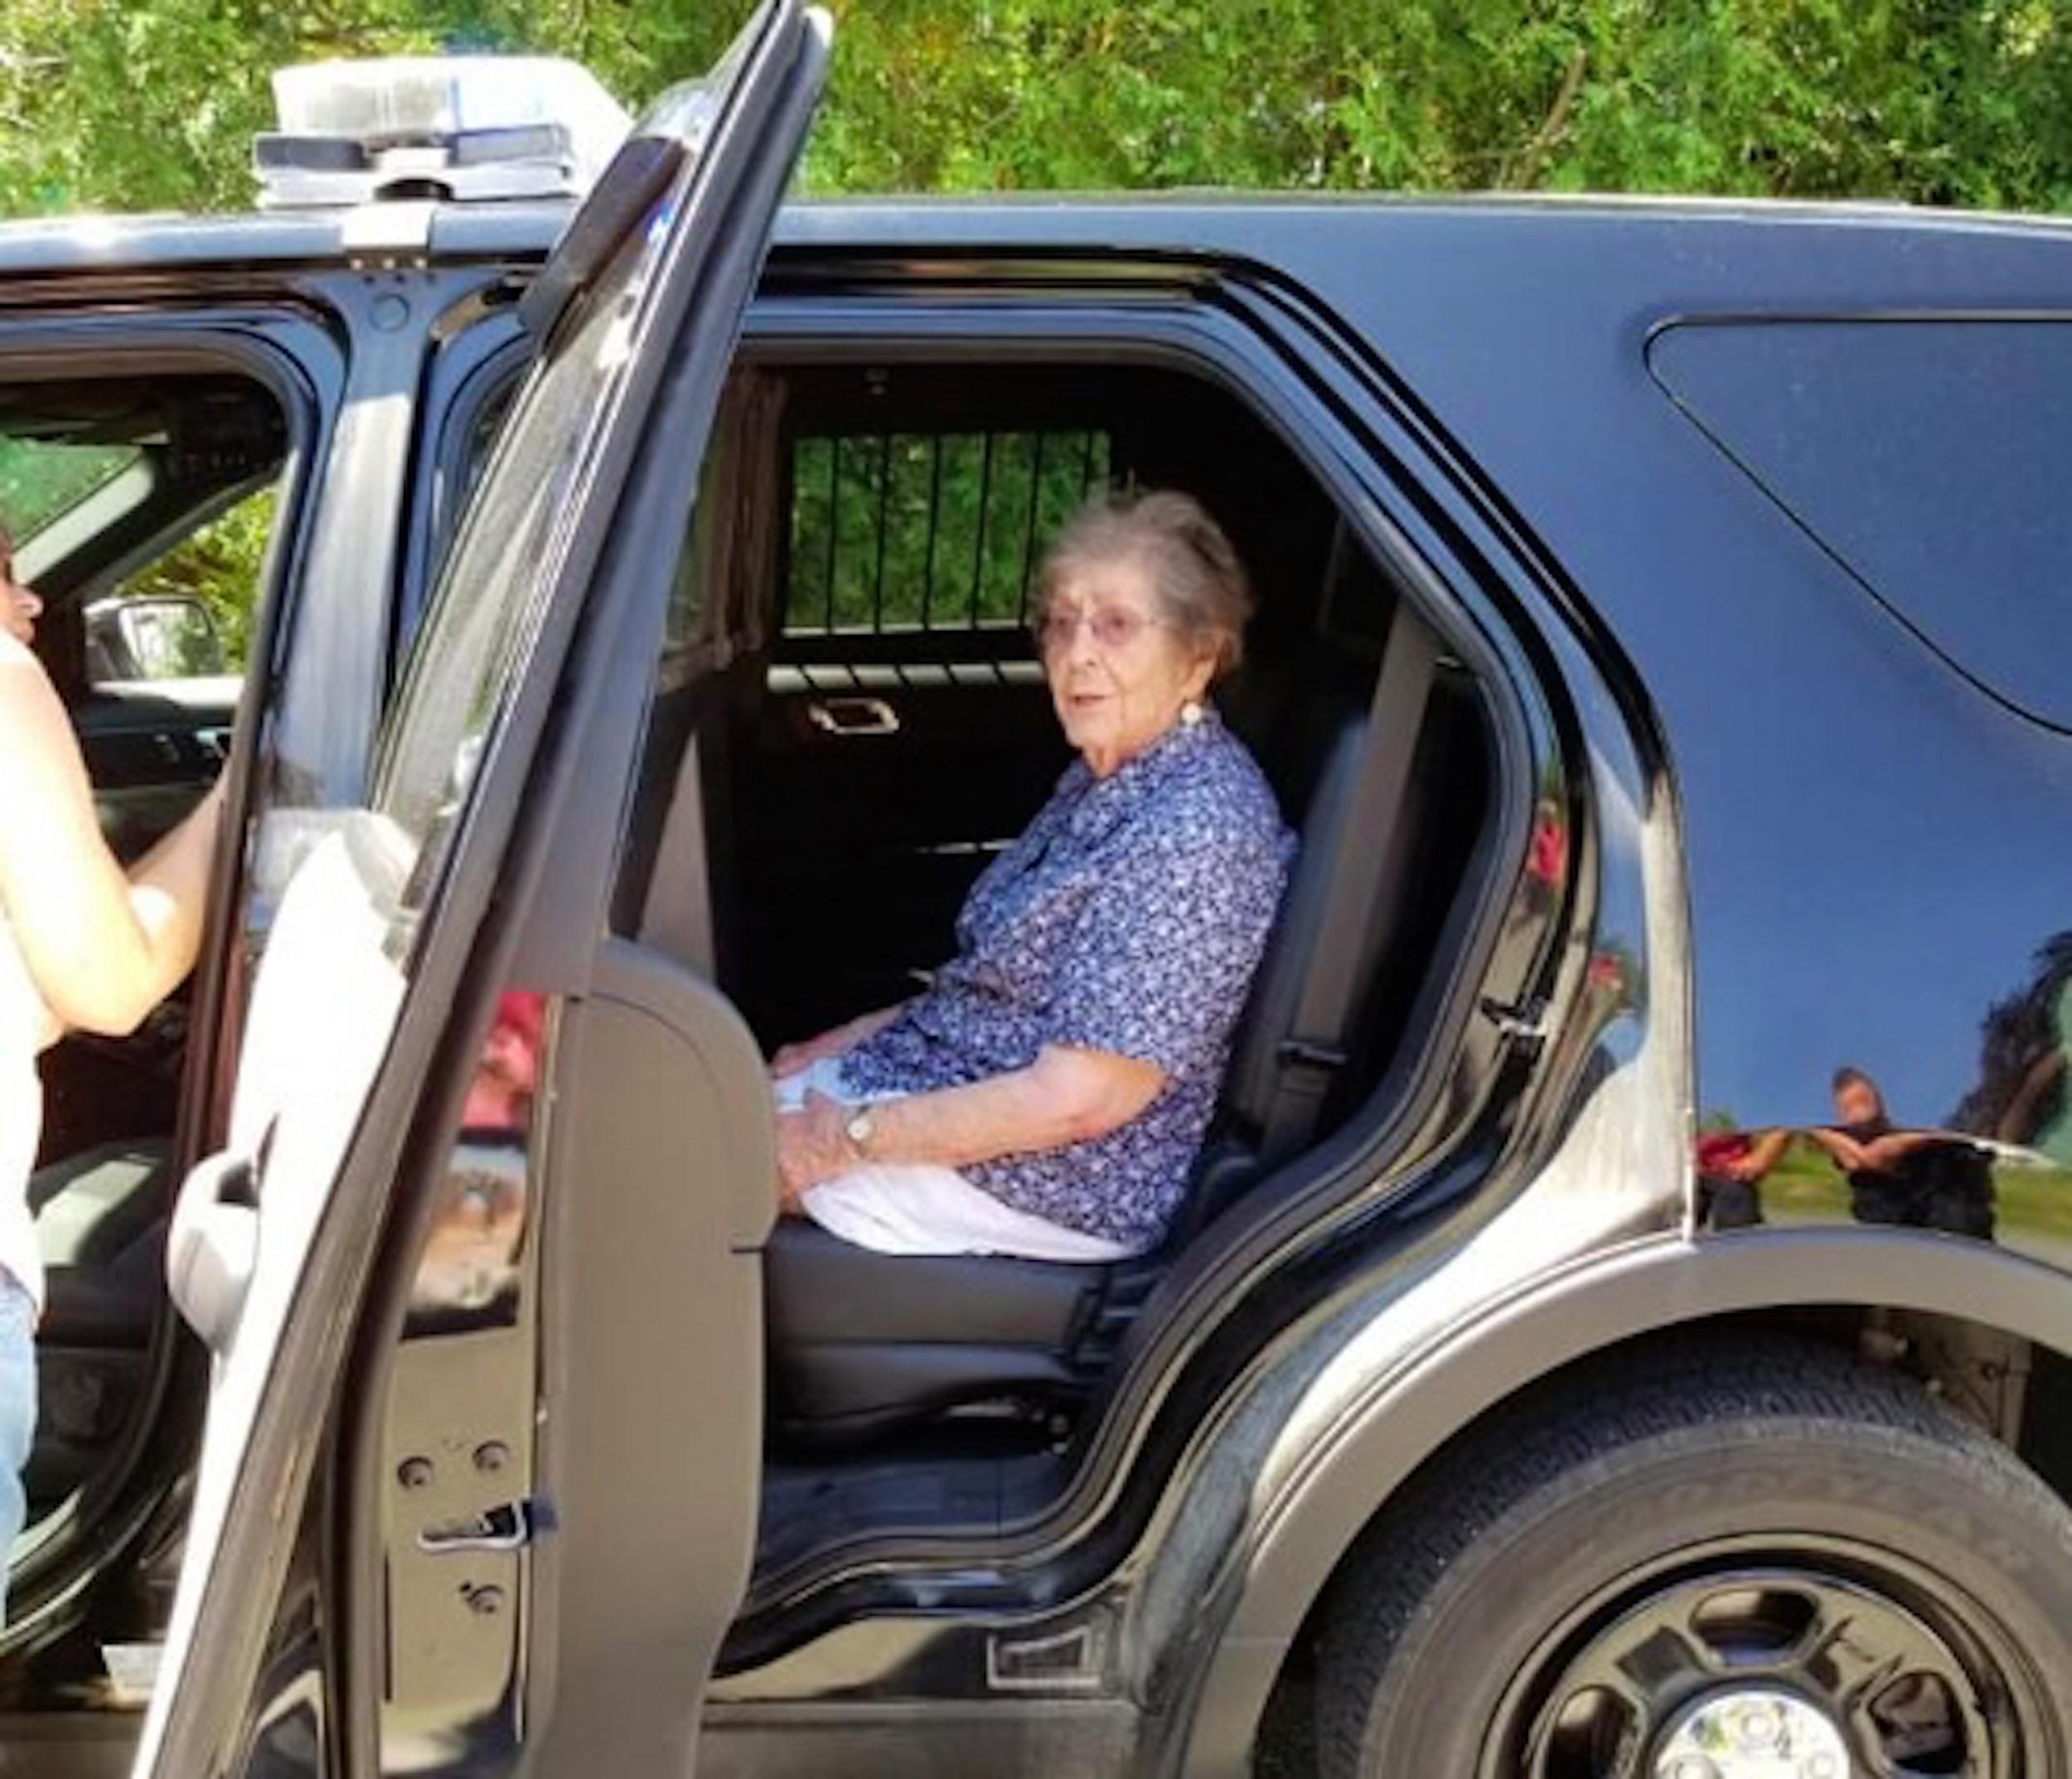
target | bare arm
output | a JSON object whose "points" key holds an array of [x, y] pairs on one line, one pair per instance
{"points": [[1769, 1149], [103, 949], [1066, 1096], [1882, 1152], [1845, 1151]]}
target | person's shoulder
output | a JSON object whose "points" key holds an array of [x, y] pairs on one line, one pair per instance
{"points": [[1223, 800], [1236, 782], [25, 688]]}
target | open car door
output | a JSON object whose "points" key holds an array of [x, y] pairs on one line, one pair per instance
{"points": [[515, 726]]}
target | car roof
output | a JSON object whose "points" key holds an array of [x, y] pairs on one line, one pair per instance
{"points": [[1162, 222]]}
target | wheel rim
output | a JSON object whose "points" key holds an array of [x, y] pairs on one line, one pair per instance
{"points": [[1770, 1665]]}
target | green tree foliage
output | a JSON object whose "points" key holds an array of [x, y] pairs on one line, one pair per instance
{"points": [[150, 103], [220, 565], [897, 529]]}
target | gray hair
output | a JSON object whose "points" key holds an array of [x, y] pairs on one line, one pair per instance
{"points": [[1192, 566]]}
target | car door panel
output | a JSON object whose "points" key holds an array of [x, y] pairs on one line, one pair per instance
{"points": [[429, 889], [662, 1068], [901, 816]]}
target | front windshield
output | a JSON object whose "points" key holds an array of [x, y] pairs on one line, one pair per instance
{"points": [[41, 480]]}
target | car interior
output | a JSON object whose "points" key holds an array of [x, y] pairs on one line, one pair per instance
{"points": [[849, 721], [822, 785], [121, 496]]}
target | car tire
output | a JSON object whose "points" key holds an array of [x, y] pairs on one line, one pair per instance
{"points": [[1707, 1541]]}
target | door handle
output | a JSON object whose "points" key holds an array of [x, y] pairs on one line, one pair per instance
{"points": [[854, 716]]}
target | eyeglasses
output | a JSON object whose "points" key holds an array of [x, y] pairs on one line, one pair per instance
{"points": [[1114, 627]]}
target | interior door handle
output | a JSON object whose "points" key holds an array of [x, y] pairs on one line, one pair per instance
{"points": [[854, 716], [212, 1247]]}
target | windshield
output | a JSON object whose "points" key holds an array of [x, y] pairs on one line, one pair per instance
{"points": [[42, 480]]}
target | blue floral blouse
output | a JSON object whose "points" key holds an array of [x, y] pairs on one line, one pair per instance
{"points": [[1129, 917]]}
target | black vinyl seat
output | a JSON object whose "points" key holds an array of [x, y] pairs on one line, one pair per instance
{"points": [[860, 1342]]}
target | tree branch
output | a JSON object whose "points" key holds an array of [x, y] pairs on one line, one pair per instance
{"points": [[1556, 124]]}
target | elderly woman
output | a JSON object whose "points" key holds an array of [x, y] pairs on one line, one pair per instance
{"points": [[1047, 1095]]}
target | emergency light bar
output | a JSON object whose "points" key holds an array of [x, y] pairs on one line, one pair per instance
{"points": [[461, 127]]}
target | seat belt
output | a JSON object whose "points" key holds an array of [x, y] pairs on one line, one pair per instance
{"points": [[1364, 891]]}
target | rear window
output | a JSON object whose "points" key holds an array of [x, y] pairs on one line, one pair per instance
{"points": [[1931, 458], [896, 531]]}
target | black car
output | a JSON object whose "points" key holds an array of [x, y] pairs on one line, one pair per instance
{"points": [[1620, 1324]]}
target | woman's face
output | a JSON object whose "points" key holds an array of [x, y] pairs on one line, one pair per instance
{"points": [[19, 607], [1857, 1101], [1118, 668]]}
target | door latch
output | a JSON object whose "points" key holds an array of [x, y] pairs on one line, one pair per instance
{"points": [[1519, 1022], [510, 1525]]}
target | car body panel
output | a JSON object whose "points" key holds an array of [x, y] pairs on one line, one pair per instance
{"points": [[1824, 846], [423, 862]]}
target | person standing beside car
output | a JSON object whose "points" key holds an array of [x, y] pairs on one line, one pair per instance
{"points": [[83, 944]]}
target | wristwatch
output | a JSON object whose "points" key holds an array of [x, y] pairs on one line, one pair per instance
{"points": [[859, 1130]]}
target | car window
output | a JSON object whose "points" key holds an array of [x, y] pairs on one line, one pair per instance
{"points": [[1930, 459], [188, 614], [916, 531], [41, 480]]}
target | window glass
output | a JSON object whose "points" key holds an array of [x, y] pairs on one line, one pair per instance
{"points": [[41, 480], [479, 629], [188, 614], [1931, 458], [915, 530]]}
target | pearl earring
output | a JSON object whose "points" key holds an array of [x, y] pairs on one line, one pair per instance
{"points": [[1191, 712]]}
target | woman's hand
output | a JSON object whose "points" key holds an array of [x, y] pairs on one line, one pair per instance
{"points": [[794, 1058], [837, 1040], [813, 1146]]}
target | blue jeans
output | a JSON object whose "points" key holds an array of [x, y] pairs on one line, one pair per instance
{"points": [[17, 1413]]}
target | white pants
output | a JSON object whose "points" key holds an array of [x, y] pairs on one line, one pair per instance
{"points": [[915, 1208]]}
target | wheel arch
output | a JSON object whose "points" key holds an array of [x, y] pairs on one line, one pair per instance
{"points": [[1307, 1531]]}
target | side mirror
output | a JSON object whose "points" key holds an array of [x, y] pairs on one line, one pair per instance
{"points": [[151, 637]]}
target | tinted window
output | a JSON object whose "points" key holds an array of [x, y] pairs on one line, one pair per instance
{"points": [[1933, 459]]}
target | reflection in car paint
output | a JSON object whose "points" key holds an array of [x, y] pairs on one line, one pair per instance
{"points": [[458, 1467], [1997, 1167], [469, 1263]]}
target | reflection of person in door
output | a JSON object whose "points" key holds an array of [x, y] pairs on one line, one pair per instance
{"points": [[1732, 1166], [471, 1252], [80, 945], [500, 1097], [1922, 1180]]}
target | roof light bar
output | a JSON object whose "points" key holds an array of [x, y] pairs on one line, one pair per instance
{"points": [[465, 127]]}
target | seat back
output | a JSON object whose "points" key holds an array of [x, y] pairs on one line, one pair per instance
{"points": [[1259, 1071], [1281, 1077]]}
